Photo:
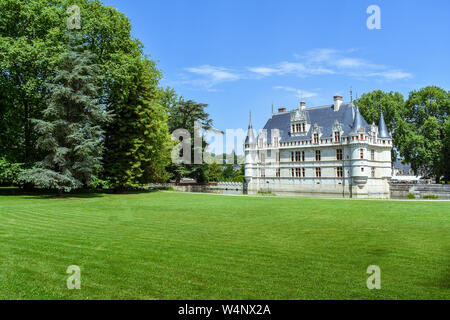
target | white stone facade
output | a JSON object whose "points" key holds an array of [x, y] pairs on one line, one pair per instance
{"points": [[353, 163]]}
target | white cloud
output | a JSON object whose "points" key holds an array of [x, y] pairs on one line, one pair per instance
{"points": [[331, 61], [315, 62], [350, 63], [392, 75], [301, 94], [286, 67], [212, 75], [264, 71]]}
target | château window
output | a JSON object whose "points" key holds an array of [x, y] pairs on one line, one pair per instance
{"points": [[318, 172], [263, 158], [298, 127], [278, 173], [337, 136], [303, 127], [339, 155], [303, 156], [303, 172], [293, 128], [263, 173], [316, 138], [361, 153], [292, 156], [373, 173], [340, 172], [372, 155], [297, 172], [297, 156], [318, 155], [260, 143]]}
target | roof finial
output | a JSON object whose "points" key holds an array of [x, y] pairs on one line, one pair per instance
{"points": [[351, 94]]}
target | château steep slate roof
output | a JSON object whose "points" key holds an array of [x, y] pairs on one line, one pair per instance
{"points": [[325, 117]]}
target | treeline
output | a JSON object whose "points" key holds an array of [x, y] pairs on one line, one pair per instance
{"points": [[420, 127], [84, 108]]}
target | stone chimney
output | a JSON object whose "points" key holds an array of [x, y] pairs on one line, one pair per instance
{"points": [[281, 110], [303, 106], [337, 102]]}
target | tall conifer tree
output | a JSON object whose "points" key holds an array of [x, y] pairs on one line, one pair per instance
{"points": [[137, 142], [71, 126]]}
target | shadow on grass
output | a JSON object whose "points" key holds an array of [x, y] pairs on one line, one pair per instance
{"points": [[79, 194]]}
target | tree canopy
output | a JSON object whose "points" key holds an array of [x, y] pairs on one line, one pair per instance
{"points": [[422, 133]]}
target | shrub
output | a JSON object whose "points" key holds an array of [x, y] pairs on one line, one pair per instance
{"points": [[9, 172], [265, 193], [98, 183], [411, 196], [431, 197]]}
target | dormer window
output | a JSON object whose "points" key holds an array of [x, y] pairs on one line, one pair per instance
{"points": [[316, 138], [298, 128], [337, 136]]}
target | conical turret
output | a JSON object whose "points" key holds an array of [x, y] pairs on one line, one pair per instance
{"points": [[250, 139], [382, 128], [358, 121]]}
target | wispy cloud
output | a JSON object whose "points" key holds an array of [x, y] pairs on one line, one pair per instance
{"points": [[311, 63], [286, 67], [301, 94], [331, 61], [211, 75], [392, 75]]}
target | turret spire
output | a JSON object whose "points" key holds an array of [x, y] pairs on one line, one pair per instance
{"points": [[358, 121], [250, 139], [382, 128]]}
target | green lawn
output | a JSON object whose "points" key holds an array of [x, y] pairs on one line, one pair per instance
{"points": [[199, 246]]}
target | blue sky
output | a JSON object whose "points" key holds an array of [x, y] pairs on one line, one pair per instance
{"points": [[241, 55]]}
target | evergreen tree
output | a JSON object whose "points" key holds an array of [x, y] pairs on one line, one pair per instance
{"points": [[215, 172], [70, 130], [138, 143]]}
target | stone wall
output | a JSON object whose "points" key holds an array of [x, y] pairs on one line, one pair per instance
{"points": [[419, 190]]}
